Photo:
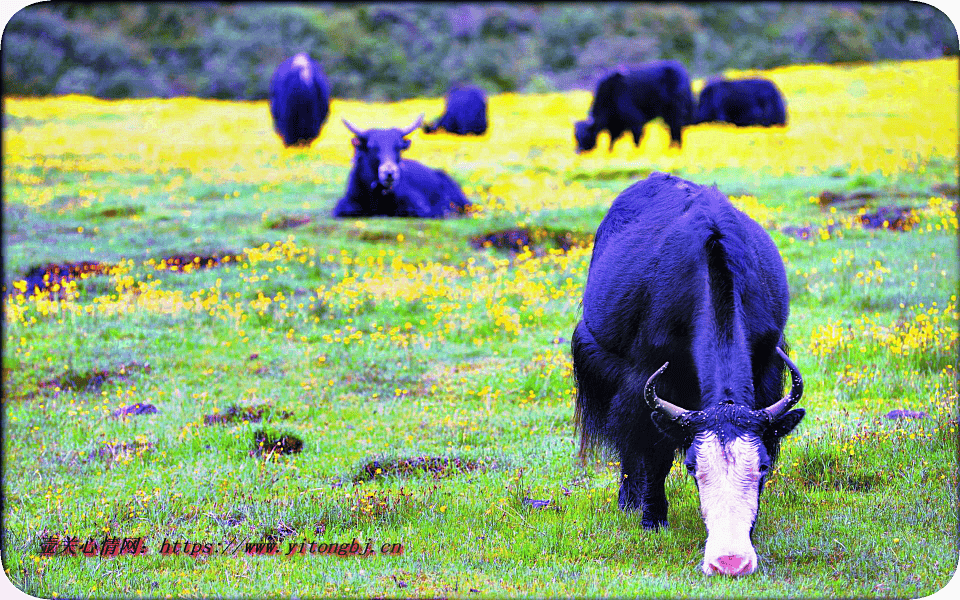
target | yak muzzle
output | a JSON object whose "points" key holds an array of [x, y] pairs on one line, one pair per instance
{"points": [[388, 174]]}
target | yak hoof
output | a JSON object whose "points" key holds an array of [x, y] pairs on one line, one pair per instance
{"points": [[655, 524]]}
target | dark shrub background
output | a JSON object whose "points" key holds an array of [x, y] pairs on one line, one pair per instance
{"points": [[403, 50]]}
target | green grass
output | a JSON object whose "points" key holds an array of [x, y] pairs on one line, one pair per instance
{"points": [[473, 378]]}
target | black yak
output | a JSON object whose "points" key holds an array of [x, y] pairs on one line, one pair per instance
{"points": [[465, 112], [629, 99], [383, 184], [742, 102], [681, 348], [299, 100]]}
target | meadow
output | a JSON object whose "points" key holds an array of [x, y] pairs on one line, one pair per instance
{"points": [[230, 365]]}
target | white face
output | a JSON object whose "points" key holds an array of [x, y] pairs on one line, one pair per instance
{"points": [[728, 479]]}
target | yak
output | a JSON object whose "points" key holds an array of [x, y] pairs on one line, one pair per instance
{"points": [[381, 183], [629, 99], [465, 112], [681, 349], [299, 100], [742, 102]]}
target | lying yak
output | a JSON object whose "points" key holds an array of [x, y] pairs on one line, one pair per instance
{"points": [[681, 349], [629, 99], [299, 100], [742, 102], [465, 113], [383, 184]]}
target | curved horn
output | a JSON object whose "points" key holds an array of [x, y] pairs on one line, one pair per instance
{"points": [[796, 390], [409, 130], [659, 404], [353, 130]]}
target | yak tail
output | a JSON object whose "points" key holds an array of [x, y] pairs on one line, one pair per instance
{"points": [[600, 375]]}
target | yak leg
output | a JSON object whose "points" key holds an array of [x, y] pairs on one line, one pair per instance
{"points": [[642, 487], [415, 204], [346, 207]]}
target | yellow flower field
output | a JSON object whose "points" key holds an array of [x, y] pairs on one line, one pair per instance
{"points": [[884, 118]]}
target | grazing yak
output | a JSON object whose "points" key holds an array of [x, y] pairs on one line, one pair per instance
{"points": [[383, 184], [466, 112], [680, 348], [299, 100], [629, 99], [742, 102]]}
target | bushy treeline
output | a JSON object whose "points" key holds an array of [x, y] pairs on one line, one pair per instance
{"points": [[402, 50]]}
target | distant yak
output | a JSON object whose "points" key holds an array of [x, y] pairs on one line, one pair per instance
{"points": [[629, 99], [742, 102], [299, 100], [381, 183], [466, 112]]}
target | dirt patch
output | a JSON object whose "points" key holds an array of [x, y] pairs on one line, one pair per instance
{"points": [[92, 380], [807, 232], [184, 263], [121, 211], [516, 239], [250, 414], [51, 277], [265, 444], [610, 174], [905, 414], [947, 190], [437, 466], [894, 218], [113, 451], [371, 235], [139, 408], [288, 222]]}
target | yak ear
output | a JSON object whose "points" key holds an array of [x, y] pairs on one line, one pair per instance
{"points": [[669, 427], [359, 142], [785, 423], [404, 143]]}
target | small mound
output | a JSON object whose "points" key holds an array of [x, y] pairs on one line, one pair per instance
{"points": [[92, 380], [113, 451], [288, 222], [250, 414], [184, 263], [135, 409], [516, 239], [437, 466], [51, 277], [894, 218], [265, 445]]}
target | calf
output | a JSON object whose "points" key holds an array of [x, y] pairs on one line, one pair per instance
{"points": [[680, 348], [383, 184]]}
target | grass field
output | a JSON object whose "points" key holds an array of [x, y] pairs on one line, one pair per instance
{"points": [[404, 382]]}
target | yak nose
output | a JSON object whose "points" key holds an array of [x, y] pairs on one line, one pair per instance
{"points": [[731, 565], [388, 173]]}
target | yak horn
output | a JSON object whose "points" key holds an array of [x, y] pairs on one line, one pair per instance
{"points": [[671, 410], [796, 390], [409, 130], [353, 130]]}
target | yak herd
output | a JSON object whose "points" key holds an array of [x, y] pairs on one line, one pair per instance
{"points": [[680, 348], [382, 183]]}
